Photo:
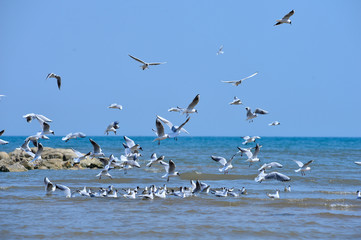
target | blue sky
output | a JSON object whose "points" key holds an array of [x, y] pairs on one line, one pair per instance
{"points": [[309, 72]]}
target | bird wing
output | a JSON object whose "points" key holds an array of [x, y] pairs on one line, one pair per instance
{"points": [[277, 176], [288, 15], [156, 63], [80, 134], [130, 142], [58, 80], [300, 164], [174, 109], [160, 128], [254, 74], [233, 82], [42, 118], [46, 127], [96, 147], [182, 125], [171, 168], [221, 160], [165, 121], [260, 111], [246, 138], [137, 59], [308, 163], [40, 149], [64, 188], [2, 132], [77, 153], [194, 102]]}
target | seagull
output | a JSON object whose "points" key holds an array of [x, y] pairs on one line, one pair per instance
{"points": [[303, 167], [97, 151], [170, 170], [3, 142], [260, 111], [73, 136], [273, 175], [155, 159], [39, 117], [358, 163], [274, 195], [58, 78], [145, 64], [248, 139], [38, 153], [243, 191], [246, 151], [83, 192], [49, 186], [275, 123], [175, 129], [220, 50], [285, 19], [190, 109], [46, 130], [35, 138], [254, 157], [160, 131], [267, 166], [79, 155], [25, 147], [104, 172], [358, 194], [65, 189], [112, 128], [131, 144], [288, 189], [236, 83], [236, 101], [221, 193], [115, 106], [226, 164], [251, 115]]}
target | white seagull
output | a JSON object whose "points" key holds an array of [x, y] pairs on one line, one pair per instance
{"points": [[236, 101], [97, 151], [155, 159], [160, 131], [175, 129], [267, 166], [358, 194], [254, 157], [112, 127], [65, 189], [236, 83], [115, 106], [49, 186], [58, 78], [274, 195], [226, 164], [271, 176], [38, 153], [131, 144], [251, 115], [303, 167], [79, 155], [170, 170], [275, 123], [285, 19], [3, 142], [145, 64], [39, 117], [25, 147], [190, 109], [358, 163], [248, 139], [73, 136], [220, 50]]}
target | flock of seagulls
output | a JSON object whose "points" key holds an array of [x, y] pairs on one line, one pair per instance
{"points": [[128, 160]]}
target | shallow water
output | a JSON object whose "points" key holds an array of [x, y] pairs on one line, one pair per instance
{"points": [[321, 205]]}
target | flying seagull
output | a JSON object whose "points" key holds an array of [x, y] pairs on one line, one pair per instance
{"points": [[236, 83], [285, 19], [248, 139], [226, 164], [97, 151], [73, 136], [41, 118], [189, 109], [271, 176], [159, 132], [3, 142], [112, 127], [145, 64], [58, 78], [115, 106], [267, 166], [275, 123], [175, 129], [303, 167], [170, 169], [220, 50], [236, 101], [155, 159], [251, 115]]}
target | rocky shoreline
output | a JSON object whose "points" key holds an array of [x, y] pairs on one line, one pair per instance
{"points": [[52, 158]]}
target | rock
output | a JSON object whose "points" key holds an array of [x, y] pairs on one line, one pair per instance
{"points": [[16, 167], [4, 155], [91, 163], [50, 164]]}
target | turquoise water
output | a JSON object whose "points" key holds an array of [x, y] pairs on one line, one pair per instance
{"points": [[321, 205]]}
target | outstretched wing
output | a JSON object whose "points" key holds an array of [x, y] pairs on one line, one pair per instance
{"points": [[160, 128], [165, 121], [180, 127], [221, 160], [288, 15], [136, 59], [194, 102]]}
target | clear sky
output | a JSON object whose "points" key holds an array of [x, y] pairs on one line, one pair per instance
{"points": [[309, 72]]}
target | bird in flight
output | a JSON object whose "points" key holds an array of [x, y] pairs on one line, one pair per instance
{"points": [[145, 64], [285, 19], [236, 83], [58, 78]]}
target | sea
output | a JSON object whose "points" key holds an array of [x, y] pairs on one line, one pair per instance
{"points": [[322, 204]]}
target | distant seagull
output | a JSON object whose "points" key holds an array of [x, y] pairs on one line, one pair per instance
{"points": [[303, 167], [358, 163], [274, 195], [39, 117], [3, 142], [145, 64], [58, 78], [248, 139], [251, 115], [159, 132], [271, 176], [112, 127], [243, 191], [73, 136], [288, 189], [175, 129], [170, 170], [49, 186], [236, 83], [236, 101], [115, 106], [25, 147], [358, 194], [220, 50], [79, 155], [226, 164], [267, 166], [38, 153], [190, 109], [285, 19], [97, 151], [155, 159], [65, 189], [275, 123]]}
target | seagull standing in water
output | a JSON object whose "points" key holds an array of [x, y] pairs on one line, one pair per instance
{"points": [[190, 109], [58, 78], [170, 170], [238, 82], [285, 19], [303, 167], [65, 189], [145, 64], [274, 195]]}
